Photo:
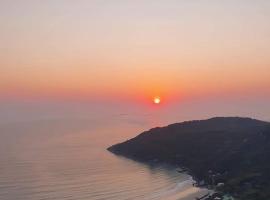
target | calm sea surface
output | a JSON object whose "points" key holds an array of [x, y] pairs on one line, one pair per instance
{"points": [[67, 160]]}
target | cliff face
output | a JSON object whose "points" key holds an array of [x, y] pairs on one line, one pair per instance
{"points": [[234, 151]]}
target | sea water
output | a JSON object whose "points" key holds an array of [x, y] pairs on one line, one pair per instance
{"points": [[66, 159]]}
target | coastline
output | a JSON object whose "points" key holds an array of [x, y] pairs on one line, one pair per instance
{"points": [[198, 188], [188, 194], [185, 190], [210, 189], [193, 190]]}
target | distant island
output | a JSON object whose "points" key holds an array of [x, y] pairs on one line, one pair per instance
{"points": [[228, 154]]}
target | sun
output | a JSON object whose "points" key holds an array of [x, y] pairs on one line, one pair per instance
{"points": [[156, 100]]}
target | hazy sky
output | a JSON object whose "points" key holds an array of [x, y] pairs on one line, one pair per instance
{"points": [[134, 50]]}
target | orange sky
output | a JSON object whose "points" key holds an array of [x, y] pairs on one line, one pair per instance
{"points": [[134, 49]]}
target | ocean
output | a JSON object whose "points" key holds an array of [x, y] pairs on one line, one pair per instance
{"points": [[66, 159]]}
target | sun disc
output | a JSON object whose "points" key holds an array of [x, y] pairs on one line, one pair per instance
{"points": [[156, 100]]}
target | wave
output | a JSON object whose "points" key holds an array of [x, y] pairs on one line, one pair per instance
{"points": [[168, 193]]}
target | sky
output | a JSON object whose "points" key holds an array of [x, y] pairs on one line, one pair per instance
{"points": [[203, 57]]}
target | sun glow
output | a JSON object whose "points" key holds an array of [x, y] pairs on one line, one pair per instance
{"points": [[156, 100]]}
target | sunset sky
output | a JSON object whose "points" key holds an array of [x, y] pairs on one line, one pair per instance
{"points": [[132, 51]]}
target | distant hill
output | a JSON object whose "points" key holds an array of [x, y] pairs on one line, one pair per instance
{"points": [[231, 152]]}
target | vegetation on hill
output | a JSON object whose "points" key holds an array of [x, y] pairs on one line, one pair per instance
{"points": [[230, 154]]}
